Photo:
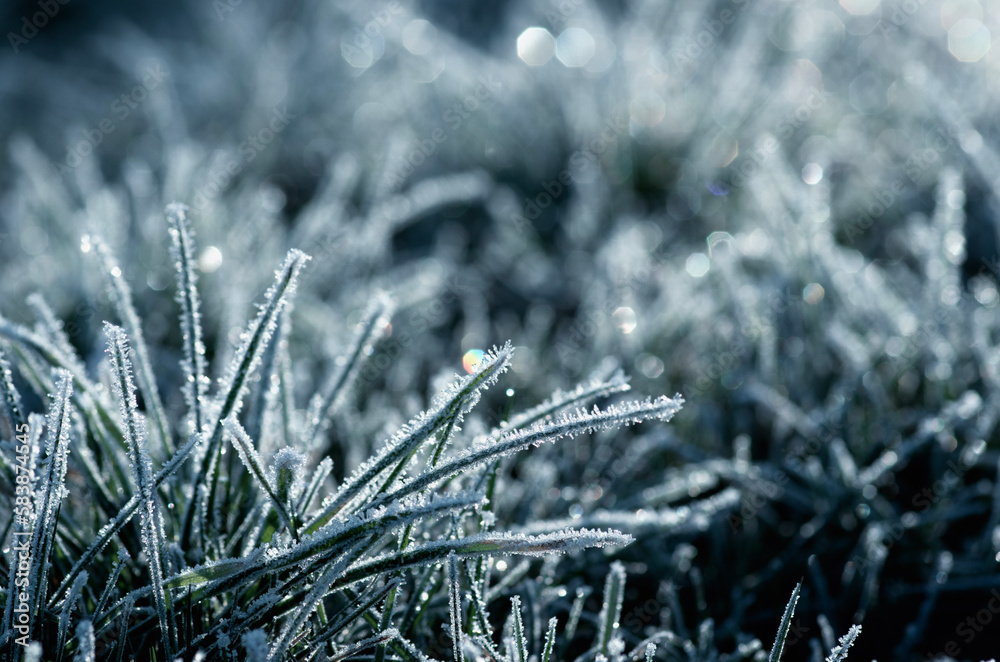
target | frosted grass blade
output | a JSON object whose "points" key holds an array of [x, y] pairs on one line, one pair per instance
{"points": [[326, 401], [455, 608], [121, 296], [520, 641], [566, 425], [611, 607], [839, 652], [50, 491], [786, 624], [134, 428], [255, 340], [67, 612], [182, 250], [247, 452], [550, 640], [451, 405], [379, 639], [109, 530]]}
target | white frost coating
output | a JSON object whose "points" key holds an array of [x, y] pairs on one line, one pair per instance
{"points": [[109, 587], [331, 539], [550, 640], [254, 612], [255, 642], [493, 543], [786, 622], [565, 425], [319, 475], [33, 653], [450, 405], [258, 334], [216, 569], [67, 608], [383, 637], [85, 638], [839, 652], [13, 408], [308, 604], [252, 344], [413, 650], [134, 429], [671, 520], [248, 454], [288, 474], [455, 608], [383, 520], [108, 531], [182, 249], [611, 610], [520, 647], [591, 390]]}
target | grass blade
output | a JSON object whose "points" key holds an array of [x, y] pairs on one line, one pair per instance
{"points": [[611, 609], [182, 249], [134, 428], [247, 452], [786, 624], [328, 399], [121, 296], [255, 340], [839, 652], [455, 609]]}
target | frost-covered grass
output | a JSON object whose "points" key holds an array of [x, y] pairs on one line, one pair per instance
{"points": [[265, 553], [246, 335]]}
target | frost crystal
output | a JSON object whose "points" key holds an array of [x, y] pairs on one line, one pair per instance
{"points": [[255, 643], [839, 652], [85, 639]]}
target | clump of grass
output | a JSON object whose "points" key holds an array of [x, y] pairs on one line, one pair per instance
{"points": [[269, 556]]}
